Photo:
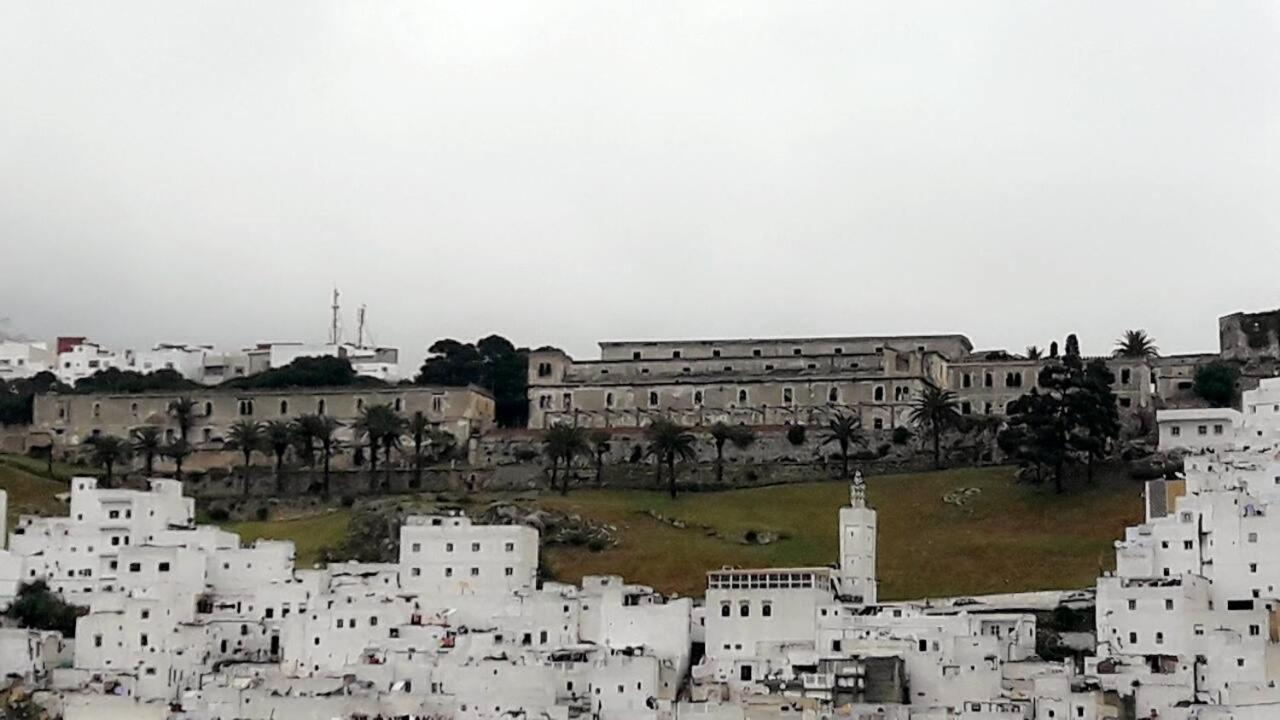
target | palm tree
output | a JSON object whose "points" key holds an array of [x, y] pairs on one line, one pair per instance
{"points": [[669, 441], [721, 433], [1034, 353], [440, 444], [1136, 344], [147, 443], [934, 411], [322, 430], [844, 430], [277, 435], [562, 442], [599, 440], [381, 427], [177, 451], [393, 429], [247, 437], [418, 428], [183, 410], [108, 451]]}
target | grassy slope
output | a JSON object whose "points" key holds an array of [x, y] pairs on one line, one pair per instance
{"points": [[309, 534], [1010, 537], [29, 494]]}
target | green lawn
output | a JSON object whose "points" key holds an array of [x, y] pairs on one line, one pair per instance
{"points": [[29, 494], [309, 534], [36, 466], [1008, 538]]}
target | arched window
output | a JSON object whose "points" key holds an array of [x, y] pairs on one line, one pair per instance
{"points": [[208, 409], [742, 396], [653, 399], [608, 399], [697, 397], [833, 395], [320, 406], [284, 407]]}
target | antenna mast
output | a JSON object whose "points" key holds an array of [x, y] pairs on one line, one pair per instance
{"points": [[360, 327], [333, 322]]}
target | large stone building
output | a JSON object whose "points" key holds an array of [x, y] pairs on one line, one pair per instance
{"points": [[72, 419], [782, 381]]}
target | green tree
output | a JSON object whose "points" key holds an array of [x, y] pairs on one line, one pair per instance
{"points": [[178, 451], [278, 437], [669, 441], [1137, 345], [1096, 415], [147, 442], [722, 434], [845, 431], [1215, 383], [306, 372], [115, 380], [183, 411], [563, 442], [1049, 427], [935, 411], [38, 608], [381, 427], [321, 431], [418, 428], [600, 441], [246, 436], [107, 451], [492, 363]]}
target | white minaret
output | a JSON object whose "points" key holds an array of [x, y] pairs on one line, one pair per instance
{"points": [[858, 545]]}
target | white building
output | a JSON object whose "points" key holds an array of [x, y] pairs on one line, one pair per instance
{"points": [[78, 358], [20, 360], [1189, 623], [189, 361]]}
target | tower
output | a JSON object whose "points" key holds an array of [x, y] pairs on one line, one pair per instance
{"points": [[858, 545]]}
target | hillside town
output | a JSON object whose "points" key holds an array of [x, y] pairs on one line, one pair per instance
{"points": [[180, 619], [183, 621]]}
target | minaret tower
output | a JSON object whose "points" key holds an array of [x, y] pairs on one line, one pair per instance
{"points": [[858, 545]]}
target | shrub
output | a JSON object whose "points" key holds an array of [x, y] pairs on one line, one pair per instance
{"points": [[348, 501], [526, 454], [597, 545], [262, 513], [39, 608], [901, 435], [795, 434], [219, 514], [1216, 383], [883, 449]]}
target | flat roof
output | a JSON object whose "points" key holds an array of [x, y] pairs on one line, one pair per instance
{"points": [[783, 339]]}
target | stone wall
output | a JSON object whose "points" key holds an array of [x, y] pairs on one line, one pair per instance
{"points": [[1249, 336], [771, 446]]}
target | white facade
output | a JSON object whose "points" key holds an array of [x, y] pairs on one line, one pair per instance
{"points": [[84, 358], [376, 362], [187, 360], [20, 360], [1189, 623], [1188, 626]]}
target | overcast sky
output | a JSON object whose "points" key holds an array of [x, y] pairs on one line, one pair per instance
{"points": [[568, 172]]}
